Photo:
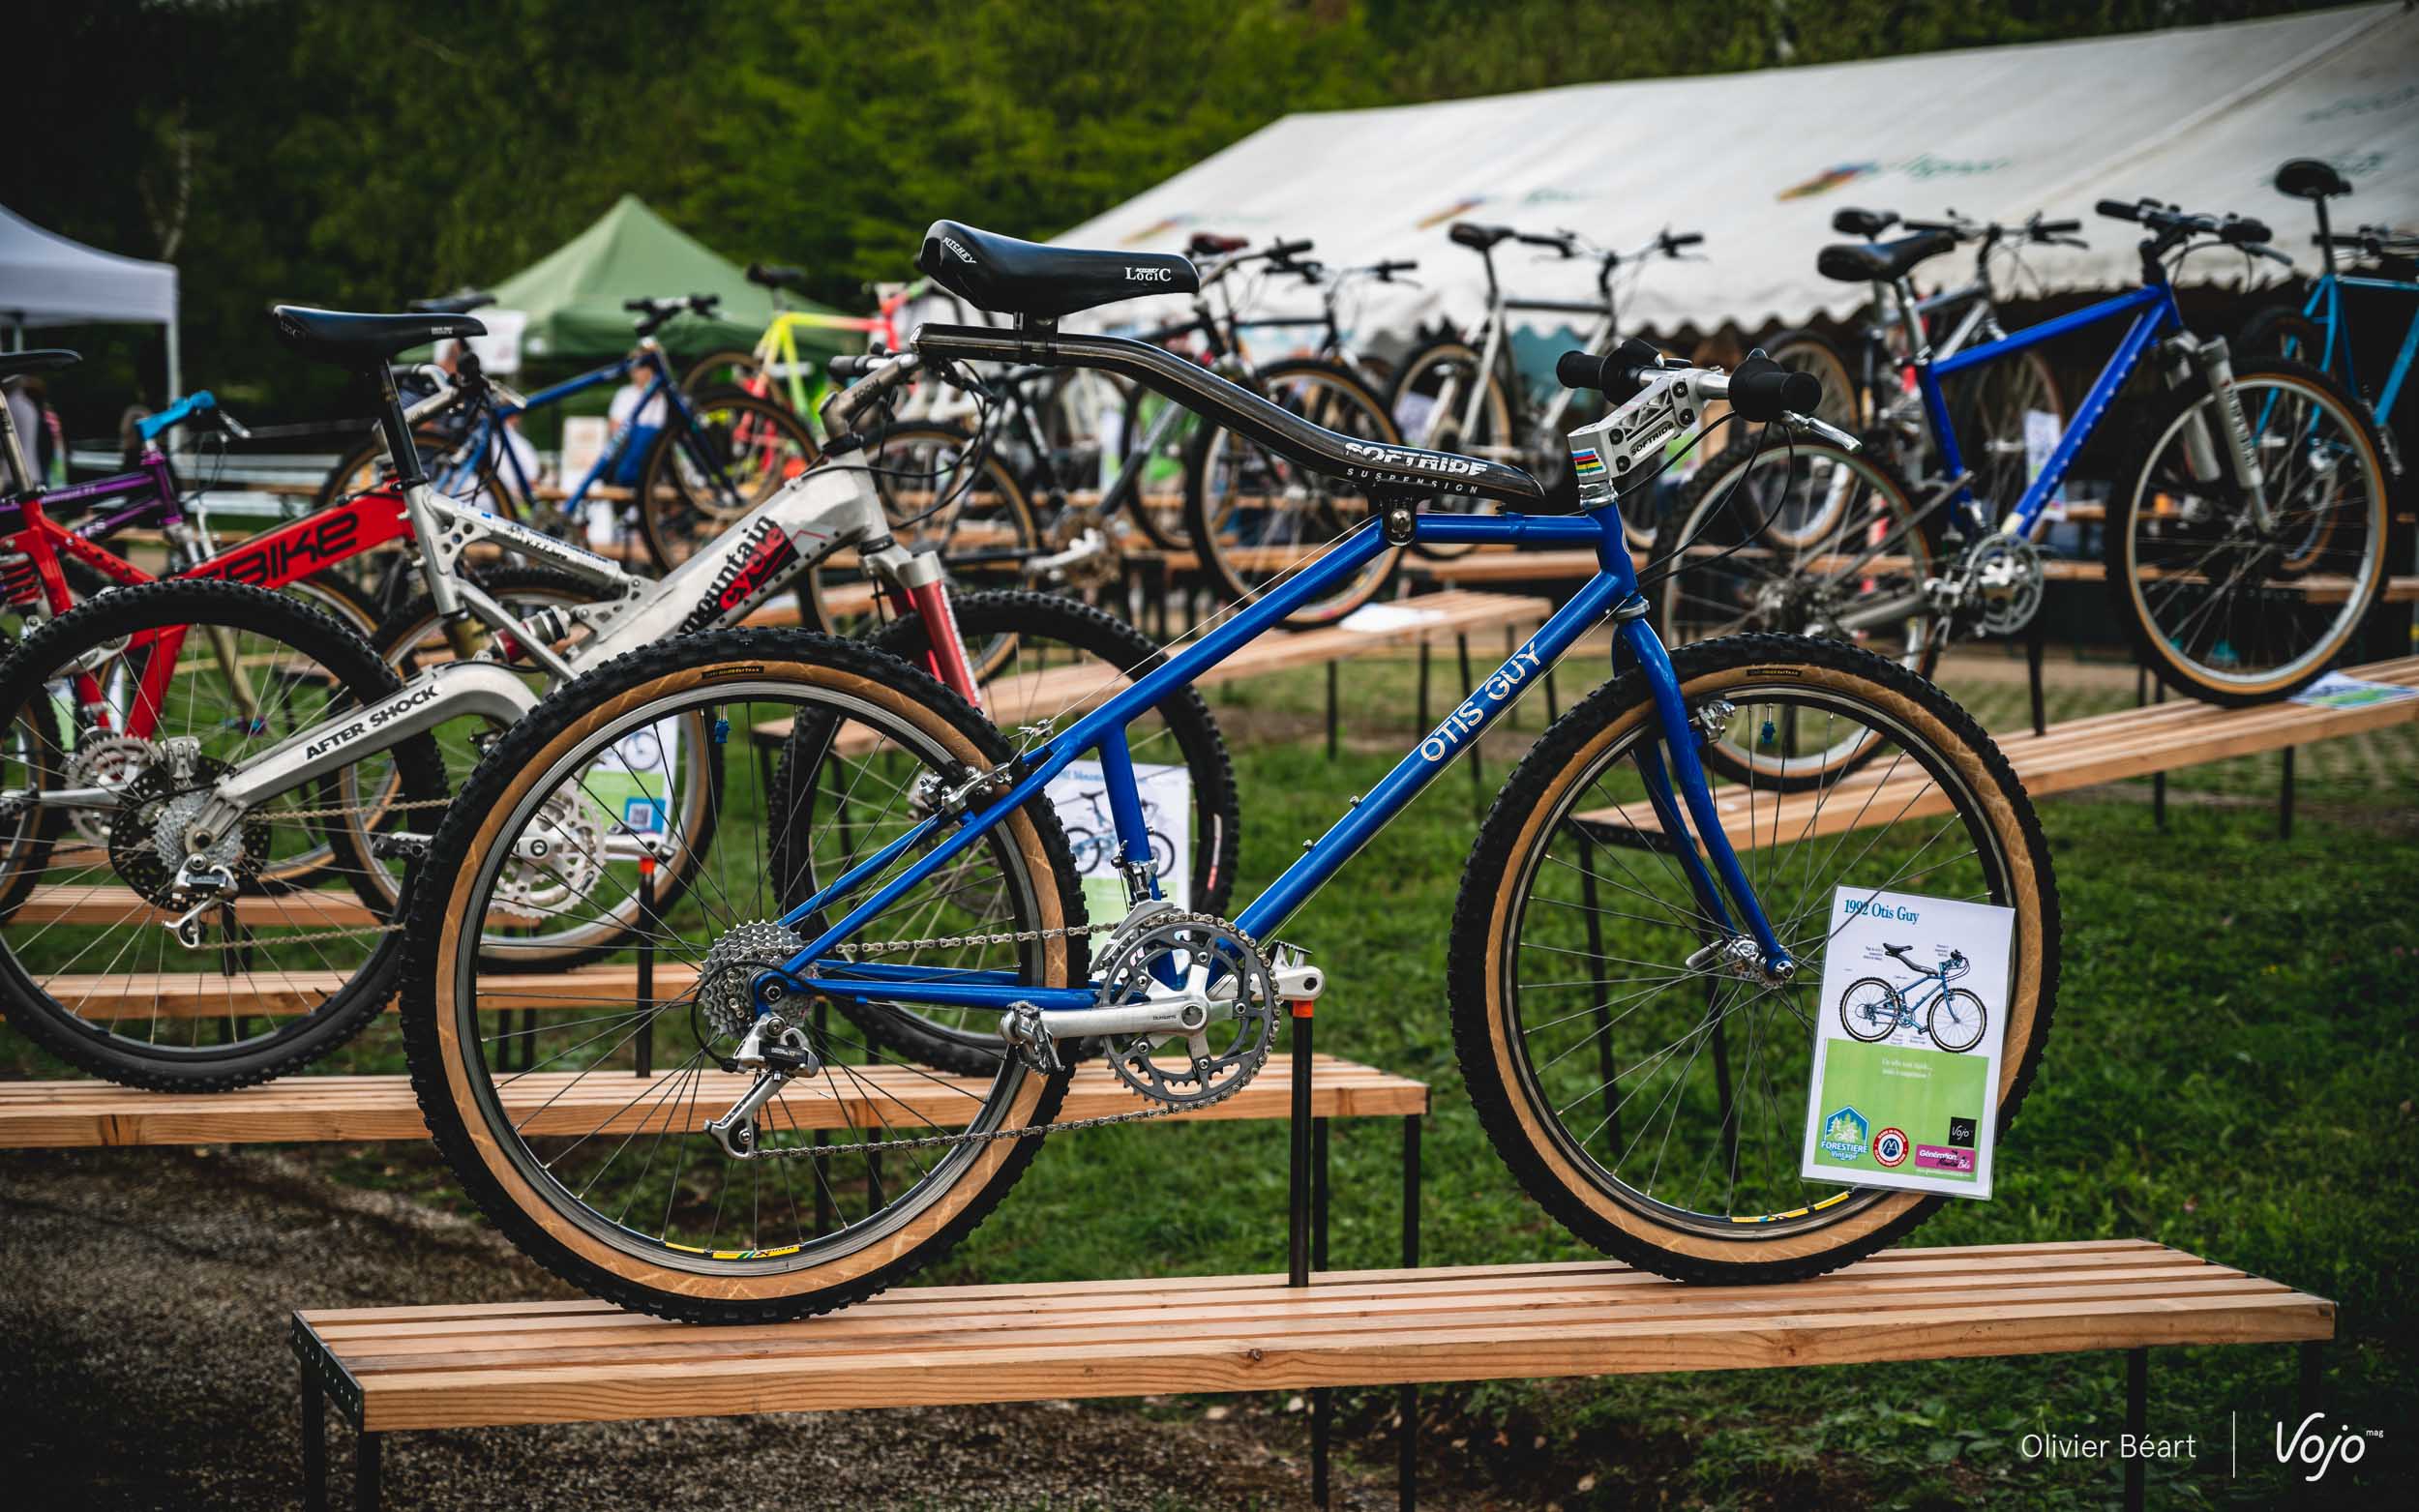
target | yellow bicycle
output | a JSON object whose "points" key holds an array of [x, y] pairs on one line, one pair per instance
{"points": [[777, 369]]}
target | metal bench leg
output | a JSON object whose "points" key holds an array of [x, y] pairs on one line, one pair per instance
{"points": [[1477, 780], [366, 1448], [315, 1426], [2137, 1423], [2034, 641], [2158, 781], [1423, 716], [1332, 710], [2285, 799], [1322, 1399], [2306, 1388], [1407, 1395]]}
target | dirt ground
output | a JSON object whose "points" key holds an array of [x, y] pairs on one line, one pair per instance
{"points": [[144, 1304]]}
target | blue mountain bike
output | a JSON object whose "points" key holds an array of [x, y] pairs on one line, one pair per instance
{"points": [[1953, 1018], [2246, 530], [2318, 334], [1633, 966]]}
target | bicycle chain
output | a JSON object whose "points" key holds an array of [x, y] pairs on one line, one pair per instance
{"points": [[1031, 1131]]}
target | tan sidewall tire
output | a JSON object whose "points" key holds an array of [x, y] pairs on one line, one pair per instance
{"points": [[460, 1076], [2024, 999]]}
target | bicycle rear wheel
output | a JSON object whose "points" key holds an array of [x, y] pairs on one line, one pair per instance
{"points": [[1655, 1109], [2219, 607], [583, 1135], [298, 947], [700, 478], [1257, 518]]}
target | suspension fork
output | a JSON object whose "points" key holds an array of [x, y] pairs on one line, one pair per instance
{"points": [[2231, 454], [1677, 790]]}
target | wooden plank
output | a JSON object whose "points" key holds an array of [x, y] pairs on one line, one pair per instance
{"points": [[1074, 688], [492, 1364], [101, 903], [326, 1109], [274, 992], [2104, 747]]}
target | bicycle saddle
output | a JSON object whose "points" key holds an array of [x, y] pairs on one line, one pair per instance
{"points": [[1477, 237], [1899, 951], [357, 341], [1007, 276], [2308, 178], [1867, 224], [1856, 262], [774, 275], [43, 360], [461, 303]]}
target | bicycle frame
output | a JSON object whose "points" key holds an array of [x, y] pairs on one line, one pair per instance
{"points": [[1676, 785], [2326, 296], [2151, 310], [680, 423]]}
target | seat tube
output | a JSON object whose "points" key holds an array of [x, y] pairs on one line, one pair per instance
{"points": [[1125, 807]]}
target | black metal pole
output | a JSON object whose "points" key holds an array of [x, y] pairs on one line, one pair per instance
{"points": [[1322, 1399], [315, 1441], [2033, 646], [2159, 780], [2312, 1362], [1407, 1395], [1478, 781], [2136, 1421], [1332, 711], [645, 1046], [1423, 684], [1297, 1201], [366, 1448], [2285, 799]]}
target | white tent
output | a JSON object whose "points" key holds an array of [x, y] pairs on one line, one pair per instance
{"points": [[47, 280], [1760, 161]]}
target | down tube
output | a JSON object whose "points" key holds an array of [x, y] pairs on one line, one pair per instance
{"points": [[1462, 727]]}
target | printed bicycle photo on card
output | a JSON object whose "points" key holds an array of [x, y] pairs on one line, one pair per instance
{"points": [[1906, 1043]]}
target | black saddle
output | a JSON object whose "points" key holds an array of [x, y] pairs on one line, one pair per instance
{"points": [[1477, 237], [47, 359], [362, 340], [1899, 951], [1011, 278], [2308, 178], [774, 275], [461, 303], [1867, 224], [1886, 262]]}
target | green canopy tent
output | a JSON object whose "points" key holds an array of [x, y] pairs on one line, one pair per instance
{"points": [[572, 295]]}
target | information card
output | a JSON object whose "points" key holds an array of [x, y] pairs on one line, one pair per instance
{"points": [[1906, 1047]]}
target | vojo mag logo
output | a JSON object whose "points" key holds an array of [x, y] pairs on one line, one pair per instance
{"points": [[1844, 1135]]}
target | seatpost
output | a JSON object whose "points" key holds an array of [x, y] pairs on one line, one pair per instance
{"points": [[2326, 238], [1919, 345], [399, 448], [20, 476]]}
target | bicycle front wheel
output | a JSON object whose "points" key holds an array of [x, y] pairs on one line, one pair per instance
{"points": [[581, 1128], [1258, 517], [1656, 1109], [1956, 1021], [2222, 606]]}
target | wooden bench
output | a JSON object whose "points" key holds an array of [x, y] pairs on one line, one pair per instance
{"points": [[343, 1108], [417, 1368], [2084, 753]]}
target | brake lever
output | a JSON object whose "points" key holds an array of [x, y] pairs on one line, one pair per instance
{"points": [[1824, 431]]}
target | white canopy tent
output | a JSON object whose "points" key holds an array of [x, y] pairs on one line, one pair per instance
{"points": [[47, 280], [1760, 161]]}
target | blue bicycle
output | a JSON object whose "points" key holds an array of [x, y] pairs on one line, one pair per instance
{"points": [[1633, 967], [686, 464], [1952, 1017], [2317, 333], [2245, 536]]}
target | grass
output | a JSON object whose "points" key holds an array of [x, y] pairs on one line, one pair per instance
{"points": [[2231, 1071]]}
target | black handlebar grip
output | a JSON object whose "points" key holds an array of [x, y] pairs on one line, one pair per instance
{"points": [[847, 368], [1683, 239], [2057, 227], [1292, 249], [1762, 388], [2246, 230], [2118, 210], [1614, 375], [638, 307]]}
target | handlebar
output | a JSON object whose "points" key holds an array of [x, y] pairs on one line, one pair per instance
{"points": [[653, 314], [1759, 389]]}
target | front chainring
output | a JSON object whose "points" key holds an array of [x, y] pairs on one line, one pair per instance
{"points": [[1201, 954]]}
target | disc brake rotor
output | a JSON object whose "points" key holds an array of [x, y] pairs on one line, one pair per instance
{"points": [[556, 862]]}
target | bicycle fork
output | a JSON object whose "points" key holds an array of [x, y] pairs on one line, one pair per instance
{"points": [[2231, 454], [1677, 790]]}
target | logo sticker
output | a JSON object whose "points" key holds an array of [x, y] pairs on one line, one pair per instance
{"points": [[1962, 1134], [1587, 464], [1844, 1135], [1890, 1146]]}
